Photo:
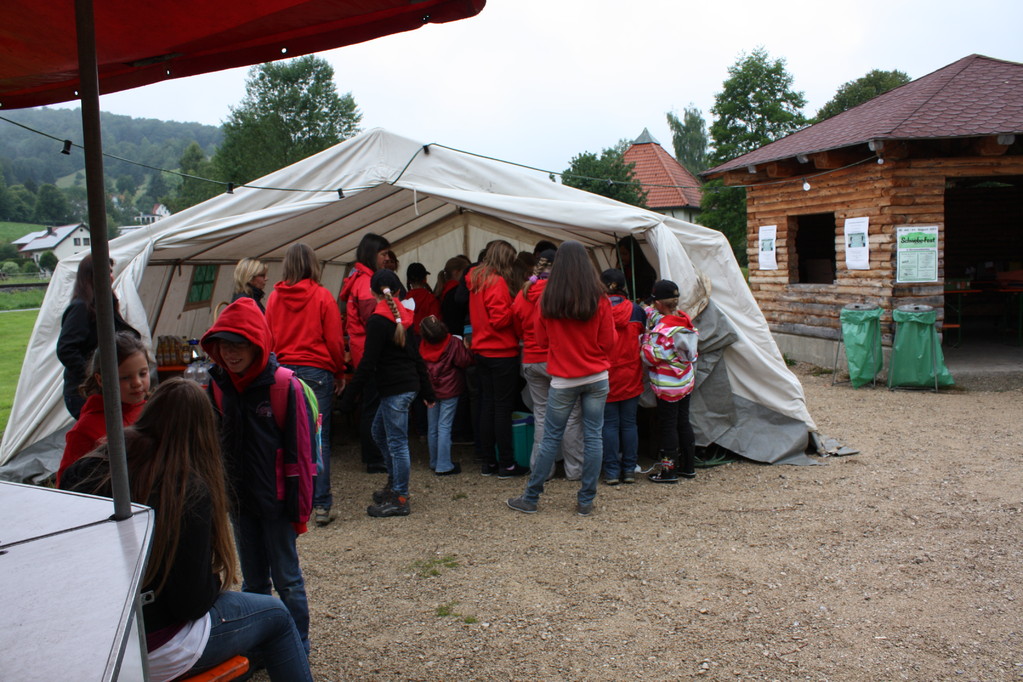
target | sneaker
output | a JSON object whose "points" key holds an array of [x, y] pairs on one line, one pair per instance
{"points": [[323, 516], [611, 481], [512, 471], [688, 474], [629, 478], [397, 505], [488, 468], [456, 469], [584, 508], [520, 504], [380, 496]]}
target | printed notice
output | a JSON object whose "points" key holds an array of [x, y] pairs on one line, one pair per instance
{"points": [[768, 240], [917, 253], [857, 245]]}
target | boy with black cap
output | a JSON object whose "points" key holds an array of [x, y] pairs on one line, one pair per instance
{"points": [[266, 439], [669, 351]]}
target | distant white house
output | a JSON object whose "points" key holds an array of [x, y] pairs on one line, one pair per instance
{"points": [[64, 241], [159, 212]]}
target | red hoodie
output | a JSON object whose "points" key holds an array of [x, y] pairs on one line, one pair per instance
{"points": [[306, 326], [240, 318], [426, 304], [625, 378], [490, 312], [524, 308], [578, 348], [445, 363], [91, 430], [358, 302]]}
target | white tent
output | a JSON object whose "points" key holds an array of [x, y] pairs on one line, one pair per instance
{"points": [[431, 202]]}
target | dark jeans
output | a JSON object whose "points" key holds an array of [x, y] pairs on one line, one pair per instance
{"points": [[499, 378], [371, 455], [322, 383], [621, 435], [268, 556], [675, 433], [244, 624]]}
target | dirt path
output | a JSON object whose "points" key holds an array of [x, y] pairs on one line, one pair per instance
{"points": [[902, 562]]}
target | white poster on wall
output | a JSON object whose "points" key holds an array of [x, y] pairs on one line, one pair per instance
{"points": [[768, 243], [857, 243], [917, 259]]}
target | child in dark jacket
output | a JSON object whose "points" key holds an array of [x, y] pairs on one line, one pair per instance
{"points": [[270, 467], [446, 358], [400, 375]]}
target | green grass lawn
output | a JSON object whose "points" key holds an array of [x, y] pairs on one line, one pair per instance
{"points": [[18, 300], [15, 328], [11, 231]]}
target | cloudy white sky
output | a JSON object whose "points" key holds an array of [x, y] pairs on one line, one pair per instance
{"points": [[539, 81]]}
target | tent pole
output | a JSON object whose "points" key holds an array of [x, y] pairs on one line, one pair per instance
{"points": [[88, 77]]}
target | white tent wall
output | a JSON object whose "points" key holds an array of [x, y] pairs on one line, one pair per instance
{"points": [[430, 203]]}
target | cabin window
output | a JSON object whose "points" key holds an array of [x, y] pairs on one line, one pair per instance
{"points": [[78, 241], [814, 245], [200, 293]]}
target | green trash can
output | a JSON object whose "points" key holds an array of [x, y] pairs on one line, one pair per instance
{"points": [[861, 336], [522, 437], [917, 360]]}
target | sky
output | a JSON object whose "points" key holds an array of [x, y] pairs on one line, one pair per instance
{"points": [[537, 82]]}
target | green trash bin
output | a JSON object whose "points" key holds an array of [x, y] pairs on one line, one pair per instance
{"points": [[522, 437], [861, 336], [917, 360]]}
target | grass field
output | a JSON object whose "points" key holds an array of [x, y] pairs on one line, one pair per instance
{"points": [[15, 328], [17, 300], [11, 231]]}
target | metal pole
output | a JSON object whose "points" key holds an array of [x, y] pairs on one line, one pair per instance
{"points": [[88, 91]]}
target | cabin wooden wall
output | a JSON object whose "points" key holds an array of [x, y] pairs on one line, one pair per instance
{"points": [[892, 194]]}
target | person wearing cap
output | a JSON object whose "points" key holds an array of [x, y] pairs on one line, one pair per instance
{"points": [[426, 303], [400, 375], [669, 350], [271, 499], [306, 327], [625, 383]]}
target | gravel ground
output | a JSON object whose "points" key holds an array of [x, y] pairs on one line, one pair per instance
{"points": [[901, 562]]}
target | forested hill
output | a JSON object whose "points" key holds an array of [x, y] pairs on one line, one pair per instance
{"points": [[27, 157]]}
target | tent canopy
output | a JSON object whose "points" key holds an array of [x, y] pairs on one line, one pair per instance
{"points": [[139, 43], [431, 202]]}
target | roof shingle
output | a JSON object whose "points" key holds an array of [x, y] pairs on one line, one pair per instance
{"points": [[667, 183]]}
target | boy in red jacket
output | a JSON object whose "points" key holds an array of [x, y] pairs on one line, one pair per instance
{"points": [[269, 468]]}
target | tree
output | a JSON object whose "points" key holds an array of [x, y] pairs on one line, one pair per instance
{"points": [[607, 175], [51, 205], [689, 137], [291, 110], [193, 189], [857, 92], [48, 260], [757, 105]]}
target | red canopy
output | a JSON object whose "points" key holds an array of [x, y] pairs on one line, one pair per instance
{"points": [[139, 42]]}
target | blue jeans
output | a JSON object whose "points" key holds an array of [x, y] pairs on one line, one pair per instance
{"points": [[268, 555], [620, 435], [560, 402], [390, 432], [254, 625], [322, 383], [440, 417]]}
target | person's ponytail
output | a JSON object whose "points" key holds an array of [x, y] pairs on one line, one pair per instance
{"points": [[399, 328]]}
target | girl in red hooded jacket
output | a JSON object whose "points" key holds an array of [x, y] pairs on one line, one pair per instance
{"points": [[496, 347], [306, 328], [91, 428], [357, 304], [625, 383], [446, 358]]}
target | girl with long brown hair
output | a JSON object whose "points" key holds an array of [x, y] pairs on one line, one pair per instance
{"points": [[496, 347], [576, 325], [192, 622]]}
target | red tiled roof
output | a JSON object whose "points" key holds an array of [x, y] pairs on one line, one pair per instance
{"points": [[974, 96], [667, 183]]}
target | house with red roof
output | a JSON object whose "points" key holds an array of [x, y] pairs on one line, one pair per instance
{"points": [[670, 188], [839, 207]]}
